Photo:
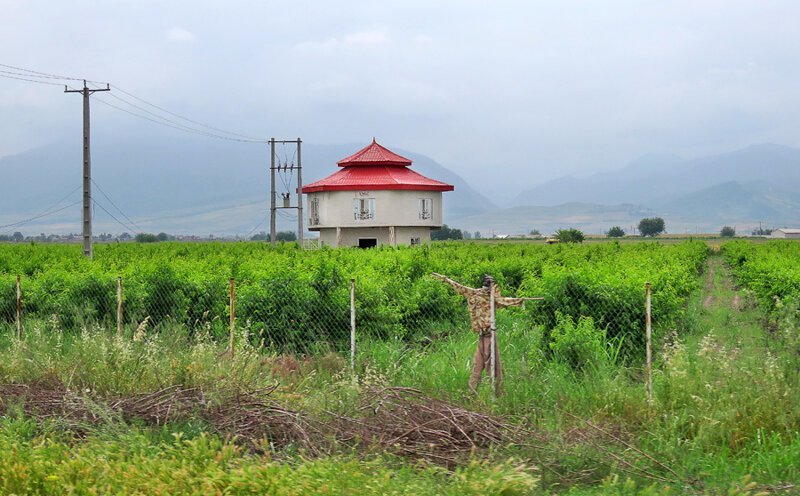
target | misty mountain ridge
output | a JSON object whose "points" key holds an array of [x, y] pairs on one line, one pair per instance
{"points": [[653, 179], [183, 183], [193, 185]]}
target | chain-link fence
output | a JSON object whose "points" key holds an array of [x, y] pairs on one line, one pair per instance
{"points": [[287, 315]]}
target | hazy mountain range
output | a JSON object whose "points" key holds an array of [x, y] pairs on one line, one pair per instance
{"points": [[181, 185], [187, 185]]}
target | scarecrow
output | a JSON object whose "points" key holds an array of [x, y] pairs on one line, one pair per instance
{"points": [[479, 302]]}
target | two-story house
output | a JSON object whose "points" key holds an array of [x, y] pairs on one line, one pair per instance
{"points": [[375, 199]]}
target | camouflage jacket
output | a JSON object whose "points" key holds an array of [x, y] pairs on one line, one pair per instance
{"points": [[479, 305]]}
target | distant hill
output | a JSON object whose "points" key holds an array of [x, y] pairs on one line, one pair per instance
{"points": [[733, 202], [653, 178], [180, 184], [758, 183]]}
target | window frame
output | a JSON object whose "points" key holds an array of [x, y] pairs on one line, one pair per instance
{"points": [[362, 214], [424, 214]]}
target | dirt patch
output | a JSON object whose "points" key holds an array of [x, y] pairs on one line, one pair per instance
{"points": [[708, 302], [736, 303]]}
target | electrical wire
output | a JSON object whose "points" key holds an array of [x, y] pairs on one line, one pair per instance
{"points": [[30, 80], [32, 76], [257, 226], [36, 217], [180, 125], [162, 123], [186, 118], [48, 208], [127, 228], [132, 223], [46, 74]]}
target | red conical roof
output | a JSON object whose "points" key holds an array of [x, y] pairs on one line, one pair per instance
{"points": [[374, 154], [378, 168]]}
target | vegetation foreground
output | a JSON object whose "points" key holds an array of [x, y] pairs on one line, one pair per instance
{"points": [[168, 411]]}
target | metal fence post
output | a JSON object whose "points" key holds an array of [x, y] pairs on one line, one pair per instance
{"points": [[492, 339], [19, 307], [648, 331], [352, 326], [233, 316], [119, 306]]}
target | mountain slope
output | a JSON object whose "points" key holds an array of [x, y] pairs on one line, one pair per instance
{"points": [[734, 202], [656, 178], [180, 184]]}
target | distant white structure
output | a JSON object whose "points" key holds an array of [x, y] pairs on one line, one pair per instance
{"points": [[784, 233], [375, 199]]}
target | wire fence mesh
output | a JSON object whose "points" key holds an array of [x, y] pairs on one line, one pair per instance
{"points": [[296, 317]]}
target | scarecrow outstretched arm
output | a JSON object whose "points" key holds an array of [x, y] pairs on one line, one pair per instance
{"points": [[460, 288], [509, 302]]}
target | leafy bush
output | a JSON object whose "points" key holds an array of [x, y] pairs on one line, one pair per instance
{"points": [[727, 232], [579, 343], [146, 238], [445, 233], [569, 236], [651, 226], [615, 232]]}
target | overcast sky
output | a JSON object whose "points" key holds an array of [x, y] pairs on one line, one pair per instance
{"points": [[508, 94]]}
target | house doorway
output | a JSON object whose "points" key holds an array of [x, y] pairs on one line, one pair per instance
{"points": [[367, 242]]}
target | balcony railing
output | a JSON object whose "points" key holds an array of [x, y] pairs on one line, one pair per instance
{"points": [[364, 215]]}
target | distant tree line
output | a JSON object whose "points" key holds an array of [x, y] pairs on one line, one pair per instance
{"points": [[445, 233], [287, 236]]}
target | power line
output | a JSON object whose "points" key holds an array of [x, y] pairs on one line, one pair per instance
{"points": [[36, 217], [44, 212], [179, 125], [186, 118], [167, 124], [134, 224], [32, 76], [30, 80], [25, 74], [257, 226], [127, 228], [44, 74]]}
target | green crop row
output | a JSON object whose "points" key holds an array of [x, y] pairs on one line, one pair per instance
{"points": [[295, 298], [771, 270]]}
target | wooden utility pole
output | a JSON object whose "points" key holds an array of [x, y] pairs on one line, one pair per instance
{"points": [[87, 168], [648, 345], [276, 165]]}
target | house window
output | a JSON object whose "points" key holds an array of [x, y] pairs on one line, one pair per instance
{"points": [[313, 215], [425, 208], [415, 242], [364, 208]]}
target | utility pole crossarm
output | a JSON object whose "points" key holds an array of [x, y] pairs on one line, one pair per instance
{"points": [[87, 167]]}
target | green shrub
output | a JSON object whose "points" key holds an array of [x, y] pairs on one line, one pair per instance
{"points": [[570, 236], [580, 344]]}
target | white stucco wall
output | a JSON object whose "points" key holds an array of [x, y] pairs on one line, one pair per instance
{"points": [[392, 208], [351, 235]]}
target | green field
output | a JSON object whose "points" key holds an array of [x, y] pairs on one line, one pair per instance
{"points": [[165, 408]]}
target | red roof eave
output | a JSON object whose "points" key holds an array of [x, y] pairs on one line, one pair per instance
{"points": [[312, 188]]}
